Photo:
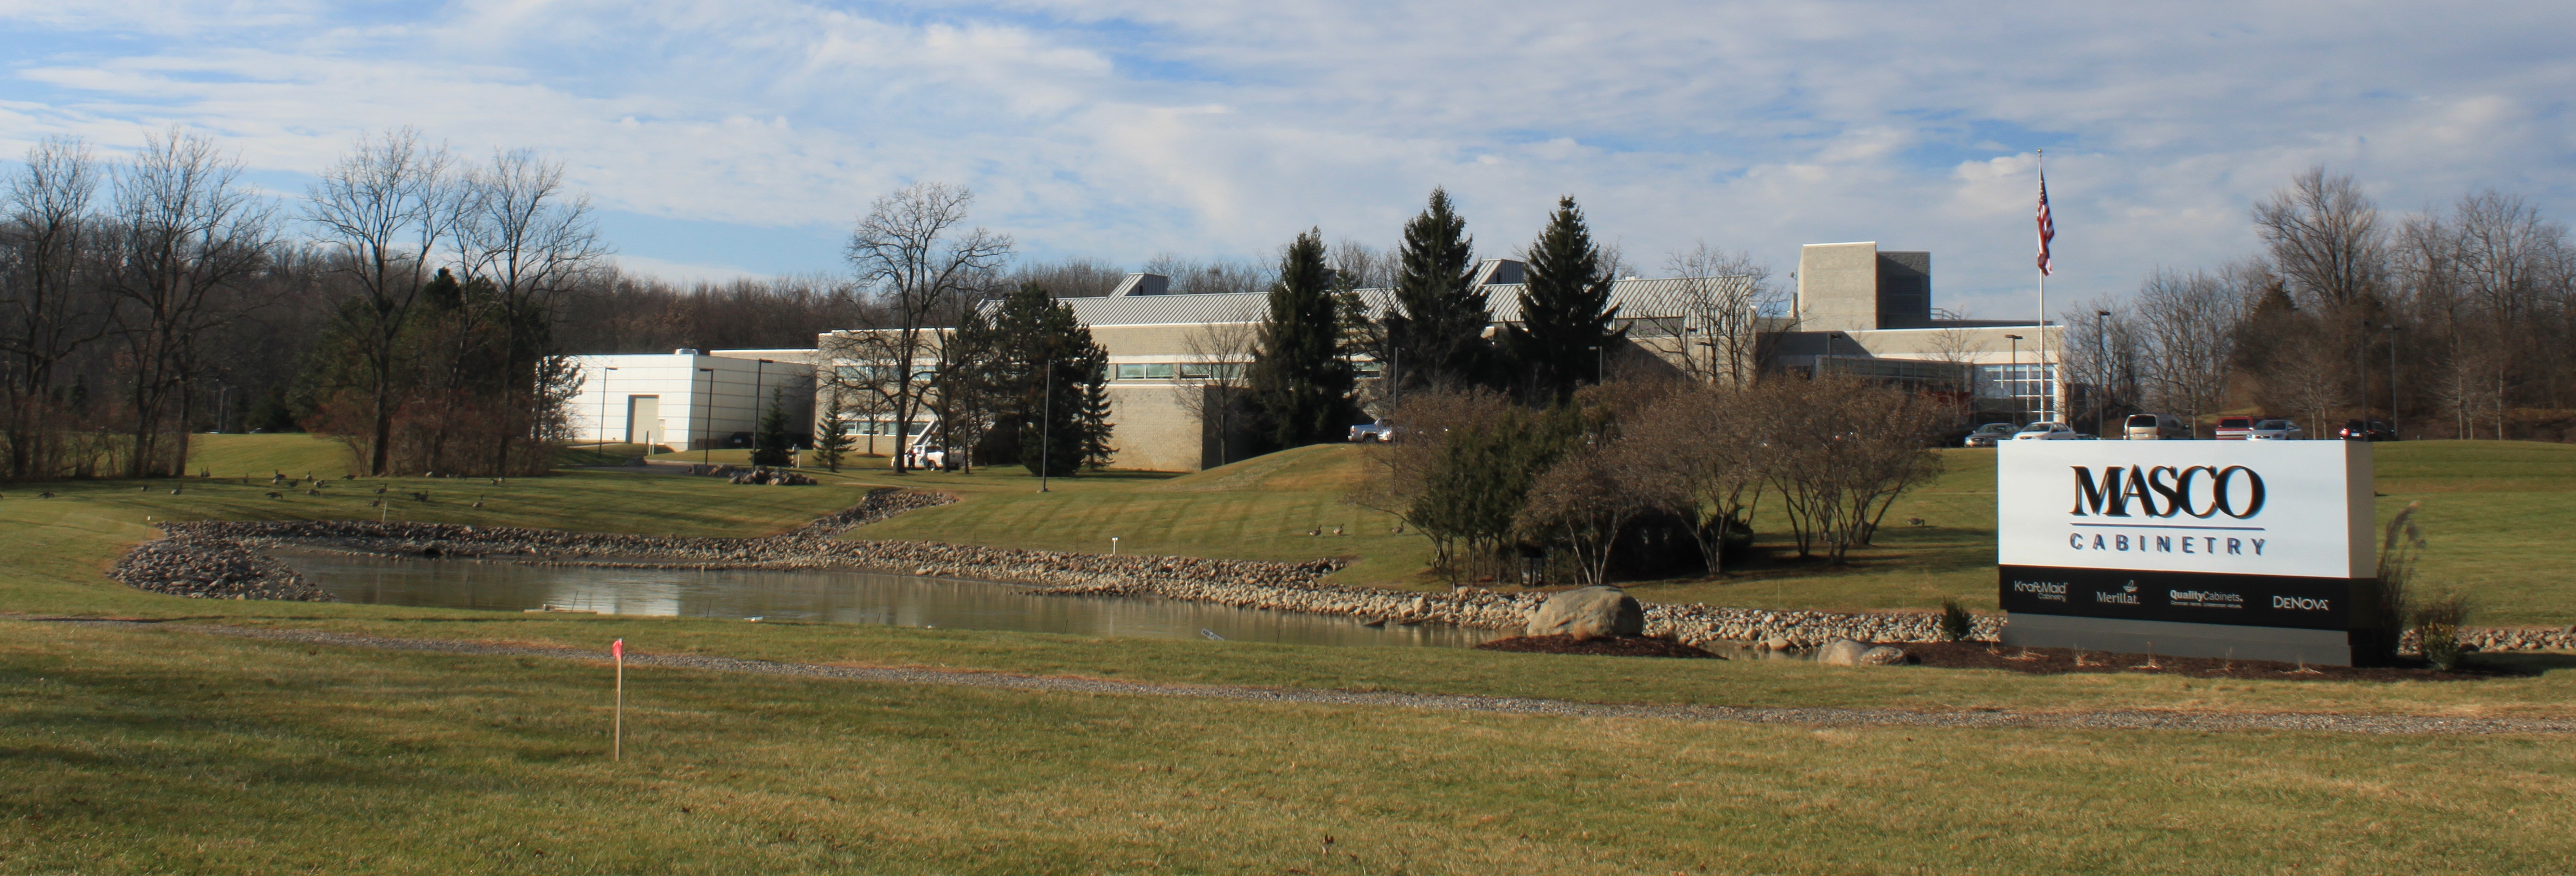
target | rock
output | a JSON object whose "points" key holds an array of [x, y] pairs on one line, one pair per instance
{"points": [[1841, 652], [1589, 613], [1882, 655], [1778, 643]]}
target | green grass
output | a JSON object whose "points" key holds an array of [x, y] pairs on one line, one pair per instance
{"points": [[296, 454], [149, 751]]}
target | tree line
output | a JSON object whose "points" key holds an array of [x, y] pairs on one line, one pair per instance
{"points": [[2457, 322]]}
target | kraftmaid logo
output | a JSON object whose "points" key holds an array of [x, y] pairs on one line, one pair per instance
{"points": [[2302, 603], [2164, 491], [2051, 591], [2128, 595]]}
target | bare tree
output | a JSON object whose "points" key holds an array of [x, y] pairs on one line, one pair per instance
{"points": [[909, 247], [1726, 296], [1584, 501], [1702, 463], [1211, 386], [48, 292], [383, 210], [530, 240], [1358, 265], [2324, 235], [2310, 377], [191, 236], [2187, 320]]}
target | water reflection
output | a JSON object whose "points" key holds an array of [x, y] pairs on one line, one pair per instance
{"points": [[836, 597]]}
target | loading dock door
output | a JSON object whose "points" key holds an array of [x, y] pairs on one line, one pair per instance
{"points": [[644, 420]]}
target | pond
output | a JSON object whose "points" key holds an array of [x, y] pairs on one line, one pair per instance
{"points": [[836, 597]]}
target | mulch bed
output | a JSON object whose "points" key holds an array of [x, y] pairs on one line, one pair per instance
{"points": [[2054, 661], [1620, 646]]}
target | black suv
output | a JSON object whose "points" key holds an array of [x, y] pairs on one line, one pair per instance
{"points": [[2373, 430]]}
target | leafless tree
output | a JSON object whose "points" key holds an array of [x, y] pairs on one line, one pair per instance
{"points": [[911, 248], [1211, 386], [531, 240], [1074, 277], [1726, 295], [1218, 277], [1702, 457], [2187, 320], [2323, 234], [1358, 265], [192, 234], [48, 292], [2310, 377], [384, 209], [1839, 452], [1584, 501]]}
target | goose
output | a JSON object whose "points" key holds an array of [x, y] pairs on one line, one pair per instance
{"points": [[478, 501], [273, 494], [174, 491], [1337, 529], [48, 494], [380, 489]]}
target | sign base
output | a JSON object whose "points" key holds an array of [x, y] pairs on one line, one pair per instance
{"points": [[2178, 639]]}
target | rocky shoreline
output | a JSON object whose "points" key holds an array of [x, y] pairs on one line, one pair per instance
{"points": [[222, 560]]}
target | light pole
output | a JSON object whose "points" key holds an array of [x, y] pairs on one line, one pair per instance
{"points": [[2393, 329], [756, 395], [2012, 378], [223, 404], [603, 408], [2101, 364], [1046, 424], [705, 451]]}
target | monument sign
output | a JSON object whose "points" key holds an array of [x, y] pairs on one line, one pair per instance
{"points": [[2257, 550]]}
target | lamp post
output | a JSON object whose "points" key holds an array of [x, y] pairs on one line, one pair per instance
{"points": [[2012, 378], [603, 408], [757, 374], [706, 451], [2101, 363], [2393, 329], [1046, 424]]}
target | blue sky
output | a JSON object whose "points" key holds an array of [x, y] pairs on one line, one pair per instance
{"points": [[721, 139]]}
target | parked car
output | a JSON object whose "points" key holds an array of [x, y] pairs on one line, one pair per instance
{"points": [[2155, 427], [2275, 430], [1378, 431], [2045, 432], [2373, 430], [2233, 428], [1988, 434]]}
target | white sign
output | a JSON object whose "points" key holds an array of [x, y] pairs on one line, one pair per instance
{"points": [[2296, 508]]}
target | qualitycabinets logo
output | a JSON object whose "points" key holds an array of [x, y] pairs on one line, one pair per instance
{"points": [[2164, 491], [2205, 599]]}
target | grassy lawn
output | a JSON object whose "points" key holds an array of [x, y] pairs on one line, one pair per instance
{"points": [[148, 751]]}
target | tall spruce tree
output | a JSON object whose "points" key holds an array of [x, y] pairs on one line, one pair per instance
{"points": [[1299, 376], [1436, 337], [1047, 381], [1565, 309], [774, 444]]}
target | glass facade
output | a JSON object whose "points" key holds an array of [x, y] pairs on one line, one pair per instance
{"points": [[2026, 389]]}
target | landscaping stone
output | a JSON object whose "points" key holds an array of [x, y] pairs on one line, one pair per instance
{"points": [[1589, 613], [1883, 655], [1841, 652]]}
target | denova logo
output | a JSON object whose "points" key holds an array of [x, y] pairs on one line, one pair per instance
{"points": [[2201, 491]]}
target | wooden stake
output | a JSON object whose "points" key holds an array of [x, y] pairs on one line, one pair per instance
{"points": [[617, 732]]}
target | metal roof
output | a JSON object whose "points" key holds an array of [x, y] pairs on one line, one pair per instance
{"points": [[1637, 299]]}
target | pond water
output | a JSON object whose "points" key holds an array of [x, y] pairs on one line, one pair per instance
{"points": [[836, 597]]}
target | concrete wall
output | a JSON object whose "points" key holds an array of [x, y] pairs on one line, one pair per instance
{"points": [[1838, 287]]}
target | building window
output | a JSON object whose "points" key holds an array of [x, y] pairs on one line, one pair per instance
{"points": [[2022, 388], [1131, 372], [1196, 371]]}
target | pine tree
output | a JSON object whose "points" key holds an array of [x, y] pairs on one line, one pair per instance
{"points": [[833, 443], [1047, 382], [773, 443], [1299, 376], [1565, 308], [1436, 337]]}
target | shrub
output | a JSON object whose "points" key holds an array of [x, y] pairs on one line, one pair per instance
{"points": [[2437, 628], [1955, 621]]}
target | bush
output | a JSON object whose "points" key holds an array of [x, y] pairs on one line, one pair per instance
{"points": [[2437, 629], [1955, 621]]}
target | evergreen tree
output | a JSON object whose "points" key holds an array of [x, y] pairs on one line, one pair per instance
{"points": [[772, 444], [833, 443], [1565, 309], [1045, 382], [1300, 378], [1436, 335]]}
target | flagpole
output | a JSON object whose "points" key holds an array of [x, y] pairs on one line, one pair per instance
{"points": [[2047, 402]]}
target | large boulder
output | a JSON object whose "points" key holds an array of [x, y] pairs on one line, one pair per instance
{"points": [[1845, 652], [1589, 613]]}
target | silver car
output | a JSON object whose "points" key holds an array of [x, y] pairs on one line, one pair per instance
{"points": [[2274, 430], [1988, 434], [2046, 432]]}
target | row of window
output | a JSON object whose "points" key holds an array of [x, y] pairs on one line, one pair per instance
{"points": [[1181, 371]]}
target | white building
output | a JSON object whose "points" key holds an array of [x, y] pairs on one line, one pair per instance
{"points": [[685, 399]]}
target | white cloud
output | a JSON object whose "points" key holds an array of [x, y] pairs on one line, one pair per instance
{"points": [[1122, 129]]}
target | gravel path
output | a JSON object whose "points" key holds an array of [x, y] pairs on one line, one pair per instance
{"points": [[2127, 719]]}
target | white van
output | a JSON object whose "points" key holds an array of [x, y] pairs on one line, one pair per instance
{"points": [[2155, 427]]}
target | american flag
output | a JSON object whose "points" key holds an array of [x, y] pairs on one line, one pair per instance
{"points": [[2047, 226]]}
